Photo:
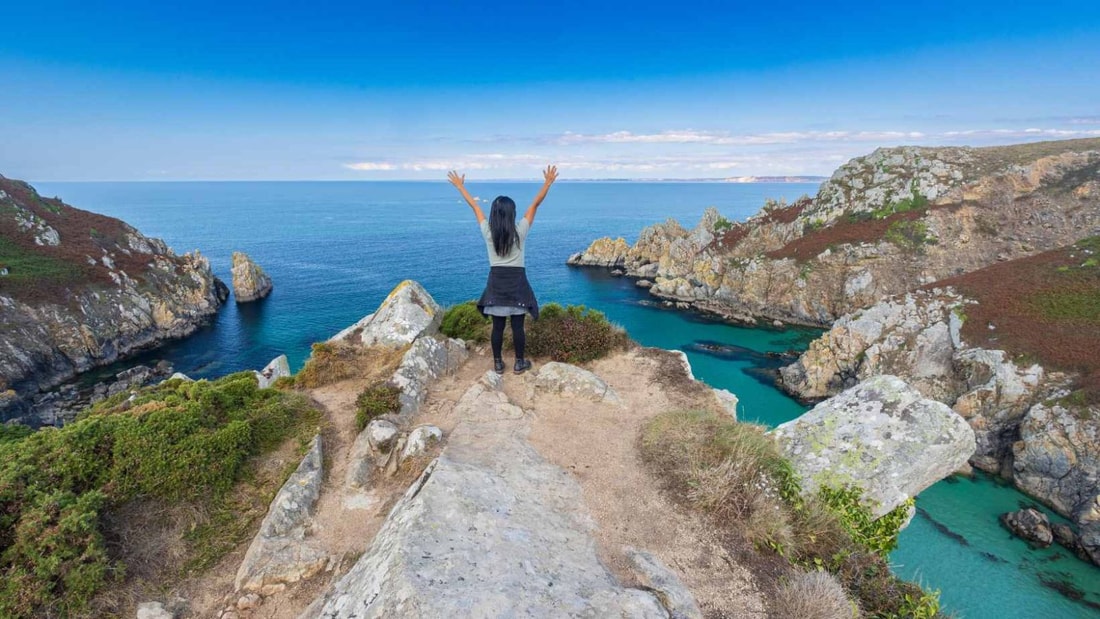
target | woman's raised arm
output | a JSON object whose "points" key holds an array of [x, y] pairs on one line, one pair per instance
{"points": [[459, 181], [549, 175]]}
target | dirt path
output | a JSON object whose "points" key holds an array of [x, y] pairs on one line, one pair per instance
{"points": [[595, 442]]}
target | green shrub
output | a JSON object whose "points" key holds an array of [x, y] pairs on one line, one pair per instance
{"points": [[465, 322], [909, 235], [877, 535], [722, 225], [174, 442], [13, 432], [573, 334], [375, 401]]}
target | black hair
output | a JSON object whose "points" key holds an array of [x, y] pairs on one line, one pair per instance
{"points": [[502, 225]]}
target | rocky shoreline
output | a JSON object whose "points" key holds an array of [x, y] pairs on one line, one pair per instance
{"points": [[86, 290], [862, 258]]}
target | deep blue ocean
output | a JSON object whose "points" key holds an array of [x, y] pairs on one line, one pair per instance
{"points": [[335, 249]]}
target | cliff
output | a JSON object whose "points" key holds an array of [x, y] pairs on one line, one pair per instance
{"points": [[250, 282], [1012, 349], [81, 290], [883, 224]]}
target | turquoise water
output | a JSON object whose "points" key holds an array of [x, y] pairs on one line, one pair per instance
{"points": [[335, 250]]}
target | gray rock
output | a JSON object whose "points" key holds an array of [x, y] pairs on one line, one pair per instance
{"points": [[278, 368], [281, 552], [490, 529], [881, 436], [1029, 524], [726, 401], [250, 283], [566, 379], [153, 610], [381, 434], [406, 314], [181, 376], [1064, 535], [420, 440], [426, 360], [665, 583]]}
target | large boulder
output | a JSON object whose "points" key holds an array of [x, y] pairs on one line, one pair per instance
{"points": [[881, 436], [407, 313], [490, 529], [565, 379], [281, 553], [250, 283]]}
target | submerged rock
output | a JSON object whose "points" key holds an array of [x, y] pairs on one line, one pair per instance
{"points": [[1029, 524], [881, 436], [406, 313], [250, 283]]}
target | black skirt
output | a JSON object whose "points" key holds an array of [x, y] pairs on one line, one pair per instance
{"points": [[508, 286]]}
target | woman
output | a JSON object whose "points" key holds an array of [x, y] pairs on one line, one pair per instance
{"points": [[507, 292]]}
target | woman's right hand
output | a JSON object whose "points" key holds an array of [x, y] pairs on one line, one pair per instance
{"points": [[550, 174], [456, 179]]}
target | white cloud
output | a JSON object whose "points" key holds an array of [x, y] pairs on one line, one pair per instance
{"points": [[370, 166], [690, 136]]}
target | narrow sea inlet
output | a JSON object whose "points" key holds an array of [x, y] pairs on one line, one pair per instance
{"points": [[335, 249]]}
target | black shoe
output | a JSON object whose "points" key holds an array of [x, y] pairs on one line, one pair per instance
{"points": [[498, 366], [522, 365]]}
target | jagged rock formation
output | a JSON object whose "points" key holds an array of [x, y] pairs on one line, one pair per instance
{"points": [[449, 549], [407, 312], [84, 290], [881, 225], [281, 554], [1050, 448], [881, 436], [279, 367], [1029, 524], [250, 283]]}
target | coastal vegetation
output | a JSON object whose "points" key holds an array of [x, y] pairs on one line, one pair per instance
{"points": [[187, 451], [570, 334], [332, 362], [1045, 308], [374, 401], [733, 473]]}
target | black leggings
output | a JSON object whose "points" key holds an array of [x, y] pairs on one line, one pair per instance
{"points": [[519, 338]]}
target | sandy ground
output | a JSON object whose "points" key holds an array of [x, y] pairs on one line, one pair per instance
{"points": [[595, 442]]}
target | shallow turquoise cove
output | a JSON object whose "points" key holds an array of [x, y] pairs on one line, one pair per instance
{"points": [[335, 250]]}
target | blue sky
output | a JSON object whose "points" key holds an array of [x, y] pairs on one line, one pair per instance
{"points": [[404, 90]]}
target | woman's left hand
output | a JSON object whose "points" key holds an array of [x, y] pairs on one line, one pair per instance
{"points": [[456, 179]]}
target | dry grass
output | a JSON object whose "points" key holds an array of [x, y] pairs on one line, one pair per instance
{"points": [[812, 595], [332, 362]]}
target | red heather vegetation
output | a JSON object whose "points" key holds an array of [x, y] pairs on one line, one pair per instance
{"points": [[772, 214], [1044, 308], [845, 231], [41, 273]]}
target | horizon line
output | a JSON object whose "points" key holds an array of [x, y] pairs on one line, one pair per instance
{"points": [[731, 180]]}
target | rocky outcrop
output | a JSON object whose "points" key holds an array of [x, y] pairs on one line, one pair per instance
{"points": [[490, 529], [92, 291], [278, 368], [881, 436], [250, 283], [406, 313], [882, 225], [1048, 447], [281, 553], [1029, 524], [569, 380]]}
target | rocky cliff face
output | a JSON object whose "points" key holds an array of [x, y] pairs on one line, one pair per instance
{"points": [[1026, 428], [250, 283], [881, 225], [83, 290]]}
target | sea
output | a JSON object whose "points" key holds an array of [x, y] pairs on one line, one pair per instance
{"points": [[335, 249]]}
